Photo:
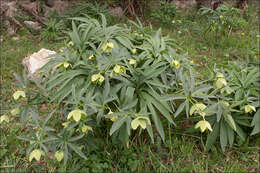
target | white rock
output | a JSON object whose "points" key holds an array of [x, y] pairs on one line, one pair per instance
{"points": [[34, 25], [36, 61]]}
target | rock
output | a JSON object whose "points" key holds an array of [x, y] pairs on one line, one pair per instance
{"points": [[59, 6], [184, 3], [34, 25], [117, 11], [9, 9], [49, 3], [15, 38], [208, 3], [36, 61]]}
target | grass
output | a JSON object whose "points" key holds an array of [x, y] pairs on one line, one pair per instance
{"points": [[181, 152]]}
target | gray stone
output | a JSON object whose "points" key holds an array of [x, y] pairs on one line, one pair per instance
{"points": [[36, 61], [59, 6], [34, 25]]}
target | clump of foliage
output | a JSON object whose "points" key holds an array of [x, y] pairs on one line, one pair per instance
{"points": [[130, 81], [165, 13], [224, 19], [53, 29], [93, 10]]}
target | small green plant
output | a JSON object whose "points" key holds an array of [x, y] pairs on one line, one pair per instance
{"points": [[223, 20], [93, 10], [165, 13], [236, 105], [53, 29]]}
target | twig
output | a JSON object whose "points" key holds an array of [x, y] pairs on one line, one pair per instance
{"points": [[17, 22]]}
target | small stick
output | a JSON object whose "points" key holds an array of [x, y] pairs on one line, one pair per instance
{"points": [[17, 22]]}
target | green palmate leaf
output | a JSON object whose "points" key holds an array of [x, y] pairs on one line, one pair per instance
{"points": [[75, 138], [180, 109], [256, 123], [211, 139], [229, 119], [230, 134], [117, 124], [78, 151], [157, 121], [150, 132], [223, 135], [241, 133], [162, 106], [219, 112], [173, 97]]}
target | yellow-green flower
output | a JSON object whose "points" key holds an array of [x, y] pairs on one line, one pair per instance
{"points": [[221, 81], [59, 155], [65, 124], [140, 121], [191, 62], [219, 75], [176, 64], [91, 57], [108, 47], [65, 64], [132, 61], [114, 118], [257, 36], [227, 89], [86, 128], [244, 70], [249, 109], [18, 94], [76, 114], [70, 43], [4, 118], [243, 34], [61, 49], [15, 111], [203, 125], [36, 154], [198, 108], [118, 69], [134, 51], [173, 21], [225, 103], [97, 78]]}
